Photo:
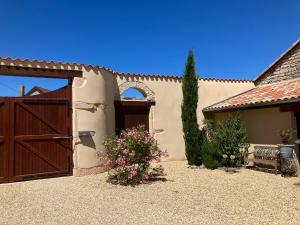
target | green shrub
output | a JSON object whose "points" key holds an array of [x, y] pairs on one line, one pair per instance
{"points": [[210, 154], [128, 157], [230, 137]]}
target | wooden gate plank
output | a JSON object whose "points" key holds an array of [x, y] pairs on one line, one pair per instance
{"points": [[40, 155], [38, 116], [4, 141]]}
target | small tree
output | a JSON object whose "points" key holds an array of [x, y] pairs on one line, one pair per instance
{"points": [[189, 113], [230, 136]]}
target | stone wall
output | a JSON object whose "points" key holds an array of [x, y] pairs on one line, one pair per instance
{"points": [[286, 68]]}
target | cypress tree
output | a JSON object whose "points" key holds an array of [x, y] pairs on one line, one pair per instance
{"points": [[189, 112]]}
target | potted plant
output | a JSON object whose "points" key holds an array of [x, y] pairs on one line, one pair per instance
{"points": [[286, 149]]}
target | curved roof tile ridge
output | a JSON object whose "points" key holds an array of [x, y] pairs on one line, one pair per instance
{"points": [[179, 77], [60, 64], [47, 62], [226, 80], [148, 75]]}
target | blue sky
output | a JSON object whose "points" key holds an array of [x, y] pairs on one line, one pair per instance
{"points": [[230, 38]]}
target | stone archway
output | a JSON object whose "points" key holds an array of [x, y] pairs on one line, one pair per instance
{"points": [[140, 86], [133, 112]]}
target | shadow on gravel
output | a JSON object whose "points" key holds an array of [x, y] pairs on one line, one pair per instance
{"points": [[230, 170], [153, 180], [297, 184], [148, 182]]}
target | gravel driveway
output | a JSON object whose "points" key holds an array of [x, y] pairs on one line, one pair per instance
{"points": [[189, 196]]}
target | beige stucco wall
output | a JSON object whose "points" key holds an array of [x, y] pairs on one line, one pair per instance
{"points": [[165, 116], [213, 91], [93, 110], [165, 122], [263, 125]]}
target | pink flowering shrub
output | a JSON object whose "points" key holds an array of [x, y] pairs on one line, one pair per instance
{"points": [[128, 157]]}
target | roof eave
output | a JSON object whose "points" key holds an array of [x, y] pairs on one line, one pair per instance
{"points": [[251, 106]]}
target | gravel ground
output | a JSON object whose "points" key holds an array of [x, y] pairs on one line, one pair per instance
{"points": [[189, 196]]}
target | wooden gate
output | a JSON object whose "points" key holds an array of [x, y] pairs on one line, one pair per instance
{"points": [[35, 136]]}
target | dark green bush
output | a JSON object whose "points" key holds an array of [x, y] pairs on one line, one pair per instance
{"points": [[210, 154], [230, 136]]}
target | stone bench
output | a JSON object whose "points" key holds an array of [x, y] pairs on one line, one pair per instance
{"points": [[266, 158]]}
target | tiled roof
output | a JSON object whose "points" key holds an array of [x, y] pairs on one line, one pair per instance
{"points": [[270, 94], [46, 64], [77, 66]]}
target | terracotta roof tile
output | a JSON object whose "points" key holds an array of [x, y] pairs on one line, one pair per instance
{"points": [[45, 64], [78, 66], [261, 95]]}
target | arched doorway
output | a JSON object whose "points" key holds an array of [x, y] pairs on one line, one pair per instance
{"points": [[132, 105]]}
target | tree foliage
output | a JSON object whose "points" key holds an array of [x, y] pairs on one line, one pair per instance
{"points": [[210, 154], [230, 136], [224, 142], [191, 131]]}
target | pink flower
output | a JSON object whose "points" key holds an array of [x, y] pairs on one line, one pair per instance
{"points": [[129, 168], [132, 174], [126, 151], [148, 139], [120, 141], [107, 163], [120, 161]]}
